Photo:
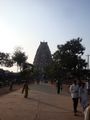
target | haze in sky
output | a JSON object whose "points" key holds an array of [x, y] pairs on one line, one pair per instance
{"points": [[26, 23]]}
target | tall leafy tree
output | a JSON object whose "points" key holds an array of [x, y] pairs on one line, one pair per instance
{"points": [[19, 57], [69, 55], [27, 72]]}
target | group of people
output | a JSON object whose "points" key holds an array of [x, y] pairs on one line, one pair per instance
{"points": [[79, 92]]}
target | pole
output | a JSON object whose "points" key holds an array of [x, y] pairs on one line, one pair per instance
{"points": [[88, 61]]}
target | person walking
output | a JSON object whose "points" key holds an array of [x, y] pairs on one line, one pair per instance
{"points": [[83, 93], [59, 86], [74, 90], [25, 89], [11, 85]]}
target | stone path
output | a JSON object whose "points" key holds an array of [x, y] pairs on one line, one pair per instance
{"points": [[40, 105]]}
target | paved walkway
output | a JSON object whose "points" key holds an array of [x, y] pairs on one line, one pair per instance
{"points": [[39, 106]]}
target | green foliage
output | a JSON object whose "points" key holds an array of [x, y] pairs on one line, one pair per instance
{"points": [[5, 60], [68, 57], [27, 72], [19, 57], [36, 73], [73, 47], [54, 71]]}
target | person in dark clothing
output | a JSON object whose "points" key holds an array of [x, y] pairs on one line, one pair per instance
{"points": [[25, 89], [59, 86], [11, 85]]}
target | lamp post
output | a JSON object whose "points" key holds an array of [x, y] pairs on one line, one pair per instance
{"points": [[88, 61]]}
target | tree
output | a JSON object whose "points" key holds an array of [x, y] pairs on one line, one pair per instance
{"points": [[5, 60], [68, 56], [27, 72], [19, 57]]}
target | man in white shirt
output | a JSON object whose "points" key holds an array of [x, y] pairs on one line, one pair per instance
{"points": [[74, 90]]}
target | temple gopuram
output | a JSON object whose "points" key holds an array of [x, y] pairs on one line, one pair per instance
{"points": [[42, 58]]}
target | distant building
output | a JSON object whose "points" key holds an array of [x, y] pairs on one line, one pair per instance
{"points": [[43, 57]]}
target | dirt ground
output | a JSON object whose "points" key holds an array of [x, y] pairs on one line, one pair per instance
{"points": [[42, 104], [5, 90]]}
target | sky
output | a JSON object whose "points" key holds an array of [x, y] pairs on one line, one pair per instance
{"points": [[25, 23]]}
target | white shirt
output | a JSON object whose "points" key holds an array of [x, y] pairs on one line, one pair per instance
{"points": [[83, 96], [74, 89]]}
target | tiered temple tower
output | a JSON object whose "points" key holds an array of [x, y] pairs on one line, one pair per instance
{"points": [[43, 57]]}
